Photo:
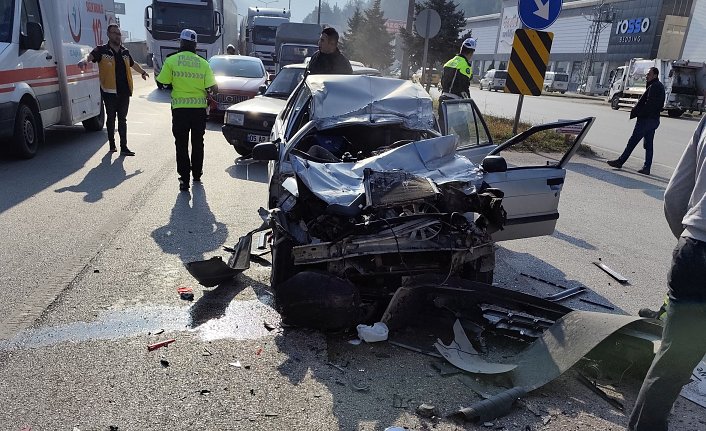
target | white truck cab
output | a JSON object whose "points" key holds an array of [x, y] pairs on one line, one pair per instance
{"points": [[41, 85]]}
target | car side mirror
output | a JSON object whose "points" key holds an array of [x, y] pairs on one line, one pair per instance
{"points": [[262, 89], [34, 37], [265, 151], [494, 164]]}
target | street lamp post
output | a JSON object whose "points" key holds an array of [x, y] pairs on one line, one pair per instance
{"points": [[318, 15]]}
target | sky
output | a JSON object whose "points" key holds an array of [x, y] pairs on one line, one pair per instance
{"points": [[133, 20]]}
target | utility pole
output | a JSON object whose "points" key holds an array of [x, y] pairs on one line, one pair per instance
{"points": [[318, 14], [602, 16], [404, 72]]}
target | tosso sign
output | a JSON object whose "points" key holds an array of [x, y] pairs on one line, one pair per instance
{"points": [[630, 30]]}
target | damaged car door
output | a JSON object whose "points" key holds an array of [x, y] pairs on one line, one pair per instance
{"points": [[529, 168]]}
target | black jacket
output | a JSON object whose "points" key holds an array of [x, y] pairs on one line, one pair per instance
{"points": [[327, 64], [651, 102]]}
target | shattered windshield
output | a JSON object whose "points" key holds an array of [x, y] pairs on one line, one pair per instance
{"points": [[6, 14]]}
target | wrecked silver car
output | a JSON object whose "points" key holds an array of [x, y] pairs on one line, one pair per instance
{"points": [[366, 190]]}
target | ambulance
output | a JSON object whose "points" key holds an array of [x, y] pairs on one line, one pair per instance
{"points": [[41, 85]]}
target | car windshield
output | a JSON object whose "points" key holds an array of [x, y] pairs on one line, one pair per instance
{"points": [[7, 8], [264, 35], [224, 66], [285, 82]]}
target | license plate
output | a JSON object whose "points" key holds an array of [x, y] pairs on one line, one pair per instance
{"points": [[257, 138]]}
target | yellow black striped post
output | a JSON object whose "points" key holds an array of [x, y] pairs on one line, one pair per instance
{"points": [[528, 62]]}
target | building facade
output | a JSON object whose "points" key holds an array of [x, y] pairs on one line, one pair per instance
{"points": [[623, 29]]}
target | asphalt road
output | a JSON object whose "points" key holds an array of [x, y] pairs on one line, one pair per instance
{"points": [[93, 253]]}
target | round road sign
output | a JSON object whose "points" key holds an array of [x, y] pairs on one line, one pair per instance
{"points": [[428, 23]]}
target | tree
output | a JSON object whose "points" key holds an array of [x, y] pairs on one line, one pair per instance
{"points": [[378, 52], [445, 44], [350, 42], [331, 17]]}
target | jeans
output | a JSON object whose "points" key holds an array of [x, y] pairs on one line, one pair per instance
{"points": [[683, 341], [116, 104], [185, 120], [645, 128]]}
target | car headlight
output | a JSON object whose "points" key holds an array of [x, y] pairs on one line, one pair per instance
{"points": [[234, 118]]}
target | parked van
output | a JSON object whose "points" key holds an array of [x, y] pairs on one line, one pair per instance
{"points": [[41, 85], [494, 80], [556, 81]]}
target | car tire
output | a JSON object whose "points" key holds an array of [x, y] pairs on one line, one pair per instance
{"points": [[282, 261], [29, 132], [243, 150], [563, 92], [615, 102], [676, 113], [95, 124], [480, 87]]}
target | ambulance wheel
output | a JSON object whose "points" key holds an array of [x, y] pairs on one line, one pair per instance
{"points": [[95, 124], [29, 132]]}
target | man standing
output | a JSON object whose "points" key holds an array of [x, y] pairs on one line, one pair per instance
{"points": [[457, 75], [683, 342], [191, 78], [328, 59], [114, 63], [647, 112]]}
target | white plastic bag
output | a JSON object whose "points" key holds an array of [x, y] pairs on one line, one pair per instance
{"points": [[372, 334]]}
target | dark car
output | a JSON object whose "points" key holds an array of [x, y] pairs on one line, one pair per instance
{"points": [[250, 122], [239, 78]]}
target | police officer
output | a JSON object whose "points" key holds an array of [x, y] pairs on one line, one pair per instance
{"points": [[457, 75], [191, 79], [456, 79]]}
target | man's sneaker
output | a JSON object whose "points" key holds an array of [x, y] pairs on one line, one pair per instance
{"points": [[112, 148], [183, 185], [644, 171], [125, 151], [651, 314], [615, 163]]}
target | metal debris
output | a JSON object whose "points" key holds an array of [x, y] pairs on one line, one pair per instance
{"points": [[492, 408], [156, 346], [566, 294], [462, 354], [598, 304], [427, 411], [600, 392], [611, 272]]}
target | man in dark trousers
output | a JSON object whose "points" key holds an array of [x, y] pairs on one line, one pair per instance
{"points": [[114, 63], [191, 79], [328, 59], [647, 112], [683, 341]]}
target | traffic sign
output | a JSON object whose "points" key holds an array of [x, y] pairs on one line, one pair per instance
{"points": [[427, 23], [528, 62], [538, 14]]}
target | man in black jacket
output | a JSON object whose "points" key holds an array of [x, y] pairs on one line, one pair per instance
{"points": [[647, 112], [328, 59]]}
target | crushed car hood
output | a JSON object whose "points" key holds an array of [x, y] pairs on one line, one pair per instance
{"points": [[342, 183], [259, 104], [343, 99], [238, 83]]}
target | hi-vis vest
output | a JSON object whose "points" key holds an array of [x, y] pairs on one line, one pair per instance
{"points": [[190, 76], [106, 68]]}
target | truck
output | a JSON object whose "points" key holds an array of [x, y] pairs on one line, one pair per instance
{"points": [[258, 33], [165, 19], [684, 84], [41, 84], [294, 42]]}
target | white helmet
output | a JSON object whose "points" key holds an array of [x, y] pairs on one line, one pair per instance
{"points": [[469, 43]]}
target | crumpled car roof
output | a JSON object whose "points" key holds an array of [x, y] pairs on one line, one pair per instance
{"points": [[342, 183], [344, 99]]}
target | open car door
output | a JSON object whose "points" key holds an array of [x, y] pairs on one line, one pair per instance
{"points": [[529, 169], [461, 117]]}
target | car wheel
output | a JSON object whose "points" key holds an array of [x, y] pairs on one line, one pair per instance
{"points": [[676, 113], [480, 87], [614, 102], [243, 150], [282, 261], [96, 123], [28, 132], [563, 92]]}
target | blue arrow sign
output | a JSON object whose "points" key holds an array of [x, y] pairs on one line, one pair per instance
{"points": [[539, 14]]}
